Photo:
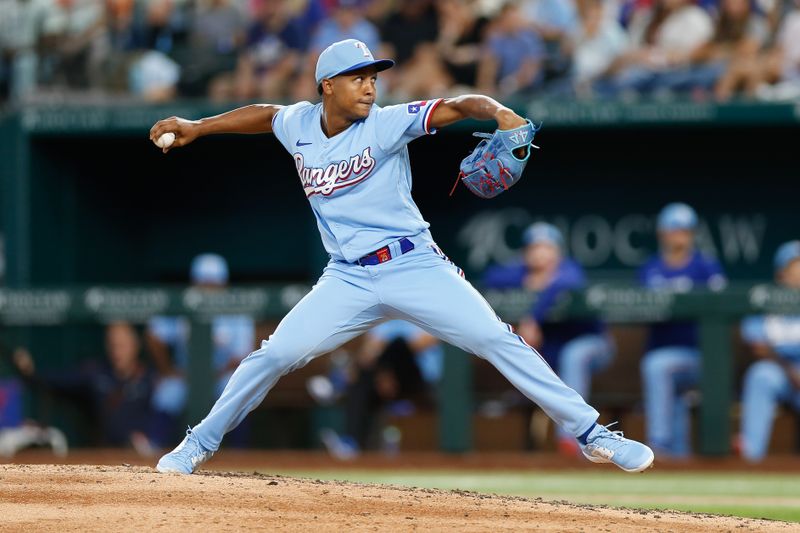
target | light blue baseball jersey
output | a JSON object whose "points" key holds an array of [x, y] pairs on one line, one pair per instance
{"points": [[359, 181], [779, 332]]}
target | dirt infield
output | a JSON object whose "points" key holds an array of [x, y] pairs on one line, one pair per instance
{"points": [[266, 460], [133, 498]]}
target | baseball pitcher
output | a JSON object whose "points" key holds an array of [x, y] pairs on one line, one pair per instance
{"points": [[353, 165]]}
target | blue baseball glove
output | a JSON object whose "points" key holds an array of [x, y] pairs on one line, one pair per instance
{"points": [[498, 161]]}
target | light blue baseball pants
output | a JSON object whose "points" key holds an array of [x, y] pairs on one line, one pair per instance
{"points": [[667, 373], [765, 385], [423, 287]]}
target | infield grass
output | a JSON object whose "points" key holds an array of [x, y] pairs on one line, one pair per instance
{"points": [[753, 495]]}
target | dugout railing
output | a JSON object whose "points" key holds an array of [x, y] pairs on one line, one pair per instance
{"points": [[715, 312]]}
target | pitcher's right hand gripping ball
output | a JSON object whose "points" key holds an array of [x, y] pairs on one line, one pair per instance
{"points": [[498, 161], [179, 130]]}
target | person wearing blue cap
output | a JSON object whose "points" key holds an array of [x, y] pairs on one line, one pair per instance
{"points": [[775, 378], [352, 159], [168, 342], [671, 366], [576, 349]]}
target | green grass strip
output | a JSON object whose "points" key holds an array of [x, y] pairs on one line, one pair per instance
{"points": [[752, 495]]}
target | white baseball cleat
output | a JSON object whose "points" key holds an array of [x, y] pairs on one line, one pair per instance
{"points": [[186, 458], [604, 446]]}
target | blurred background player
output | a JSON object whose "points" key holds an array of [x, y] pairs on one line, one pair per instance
{"points": [[397, 367], [671, 365], [576, 349], [168, 341], [775, 378], [117, 391]]}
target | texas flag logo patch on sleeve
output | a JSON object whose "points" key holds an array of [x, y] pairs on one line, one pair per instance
{"points": [[414, 108]]}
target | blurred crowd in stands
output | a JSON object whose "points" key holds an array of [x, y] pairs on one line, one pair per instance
{"points": [[157, 50]]}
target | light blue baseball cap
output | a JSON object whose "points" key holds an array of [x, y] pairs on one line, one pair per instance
{"points": [[539, 232], [677, 216], [786, 253], [346, 56], [209, 269]]}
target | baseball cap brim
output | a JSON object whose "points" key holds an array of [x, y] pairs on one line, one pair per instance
{"points": [[675, 227], [380, 65]]}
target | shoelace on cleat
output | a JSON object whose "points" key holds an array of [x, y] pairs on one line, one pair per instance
{"points": [[190, 442], [613, 435]]}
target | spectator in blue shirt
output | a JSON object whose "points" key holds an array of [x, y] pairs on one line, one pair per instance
{"points": [[168, 341], [557, 22], [554, 19], [346, 21], [576, 349], [775, 377], [512, 61], [672, 363]]}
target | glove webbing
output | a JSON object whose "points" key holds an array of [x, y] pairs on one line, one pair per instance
{"points": [[484, 179]]}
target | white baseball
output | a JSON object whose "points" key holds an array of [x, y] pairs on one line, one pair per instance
{"points": [[166, 140]]}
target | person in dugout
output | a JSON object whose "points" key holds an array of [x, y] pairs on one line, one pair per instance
{"points": [[575, 349], [774, 378], [671, 366]]}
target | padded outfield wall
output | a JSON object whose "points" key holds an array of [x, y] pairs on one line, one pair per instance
{"points": [[87, 198]]}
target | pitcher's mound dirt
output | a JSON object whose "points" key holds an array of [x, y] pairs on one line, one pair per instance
{"points": [[132, 498]]}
